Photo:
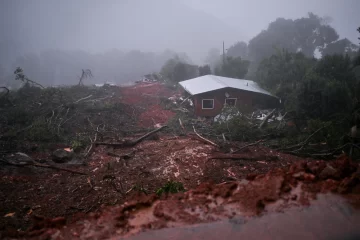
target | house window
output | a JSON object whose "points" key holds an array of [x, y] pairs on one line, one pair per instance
{"points": [[230, 101], [208, 104]]}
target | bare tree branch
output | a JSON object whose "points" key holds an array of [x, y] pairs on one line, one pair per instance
{"points": [[204, 139]]}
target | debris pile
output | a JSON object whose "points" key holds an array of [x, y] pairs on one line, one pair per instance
{"points": [[32, 118]]}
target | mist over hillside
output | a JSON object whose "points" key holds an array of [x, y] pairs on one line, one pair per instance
{"points": [[122, 40], [96, 26]]}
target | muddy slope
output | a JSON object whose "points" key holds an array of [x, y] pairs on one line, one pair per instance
{"points": [[260, 195]]}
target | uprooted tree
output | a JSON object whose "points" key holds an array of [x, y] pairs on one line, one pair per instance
{"points": [[19, 75], [85, 73]]}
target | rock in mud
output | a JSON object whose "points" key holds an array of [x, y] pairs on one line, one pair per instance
{"points": [[62, 156], [20, 158], [329, 172]]}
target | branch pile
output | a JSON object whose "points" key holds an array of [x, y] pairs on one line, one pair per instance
{"points": [[281, 131], [76, 116]]}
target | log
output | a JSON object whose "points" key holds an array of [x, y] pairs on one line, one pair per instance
{"points": [[248, 145], [263, 123], [131, 143], [281, 121], [204, 139], [181, 125], [304, 143], [84, 98], [243, 157], [91, 146], [43, 166], [224, 138]]}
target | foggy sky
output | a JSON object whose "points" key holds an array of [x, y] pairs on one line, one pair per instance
{"points": [[250, 17], [191, 26]]}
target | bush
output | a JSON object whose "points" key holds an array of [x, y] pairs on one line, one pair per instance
{"points": [[76, 145], [236, 125], [332, 133], [174, 124], [171, 187], [40, 132]]}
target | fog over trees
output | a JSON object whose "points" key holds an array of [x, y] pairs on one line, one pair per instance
{"points": [[120, 41]]}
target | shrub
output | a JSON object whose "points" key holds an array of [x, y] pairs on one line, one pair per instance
{"points": [[171, 187]]}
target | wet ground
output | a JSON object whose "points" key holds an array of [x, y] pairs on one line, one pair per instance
{"points": [[32, 191], [328, 218], [256, 201], [116, 199]]}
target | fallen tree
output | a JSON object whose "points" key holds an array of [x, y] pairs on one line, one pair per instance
{"points": [[264, 122], [34, 164], [308, 138], [252, 157], [204, 139], [131, 143]]}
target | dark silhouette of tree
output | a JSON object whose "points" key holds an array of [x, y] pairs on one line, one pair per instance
{"points": [[239, 49], [84, 75], [233, 67], [204, 70], [19, 75], [299, 35], [310, 87], [175, 70]]}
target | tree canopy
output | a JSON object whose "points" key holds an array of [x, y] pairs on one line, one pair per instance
{"points": [[204, 70], [233, 67], [300, 35], [315, 88], [239, 49], [176, 70]]}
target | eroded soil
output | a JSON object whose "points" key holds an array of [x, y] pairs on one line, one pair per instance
{"points": [[31, 191], [260, 194]]}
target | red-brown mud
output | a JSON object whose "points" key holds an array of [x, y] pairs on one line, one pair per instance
{"points": [[275, 191], [147, 97]]}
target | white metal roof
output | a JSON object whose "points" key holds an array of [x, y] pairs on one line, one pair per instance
{"points": [[209, 83]]}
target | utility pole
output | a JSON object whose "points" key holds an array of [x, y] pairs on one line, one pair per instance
{"points": [[223, 53]]}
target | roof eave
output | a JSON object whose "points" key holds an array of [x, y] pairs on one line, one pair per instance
{"points": [[186, 89]]}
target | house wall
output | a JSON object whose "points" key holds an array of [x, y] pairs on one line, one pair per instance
{"points": [[245, 100]]}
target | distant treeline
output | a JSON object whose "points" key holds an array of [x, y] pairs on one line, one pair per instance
{"points": [[57, 67]]}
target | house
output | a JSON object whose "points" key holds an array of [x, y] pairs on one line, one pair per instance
{"points": [[210, 93]]}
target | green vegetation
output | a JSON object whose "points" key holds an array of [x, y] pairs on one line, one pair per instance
{"points": [[171, 187], [176, 70], [320, 96], [233, 68], [320, 89]]}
